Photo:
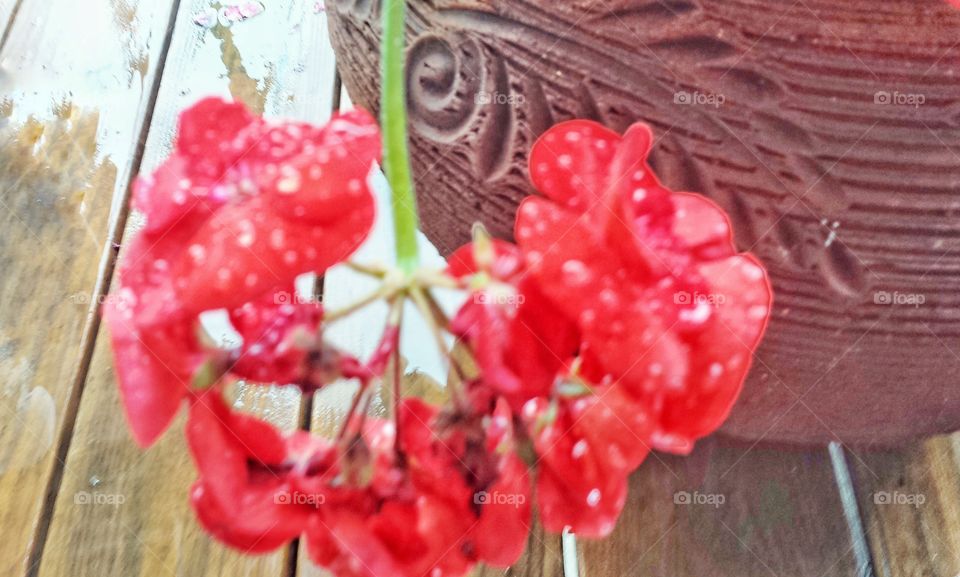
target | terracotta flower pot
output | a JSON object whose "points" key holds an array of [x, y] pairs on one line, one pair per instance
{"points": [[829, 129]]}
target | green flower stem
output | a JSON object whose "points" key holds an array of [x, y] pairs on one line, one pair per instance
{"points": [[396, 151]]}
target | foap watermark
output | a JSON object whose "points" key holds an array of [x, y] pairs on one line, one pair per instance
{"points": [[698, 498], [897, 498], [498, 498], [98, 498], [484, 97], [897, 98], [84, 299], [897, 298], [288, 298], [298, 498], [698, 298], [698, 99], [502, 298]]}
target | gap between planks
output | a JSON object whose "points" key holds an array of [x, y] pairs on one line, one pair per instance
{"points": [[9, 8]]}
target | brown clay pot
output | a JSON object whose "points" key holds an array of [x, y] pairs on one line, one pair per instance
{"points": [[828, 129]]}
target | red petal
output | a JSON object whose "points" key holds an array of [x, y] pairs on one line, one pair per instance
{"points": [[343, 544], [506, 265], [210, 124], [617, 425], [272, 329], [744, 311], [220, 458], [723, 352], [631, 159], [154, 368], [638, 351], [569, 163], [260, 440], [703, 226], [500, 535], [328, 177], [540, 341], [592, 514], [253, 523], [171, 198], [562, 251], [248, 249]]}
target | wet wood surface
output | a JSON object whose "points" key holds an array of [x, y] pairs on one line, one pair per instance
{"points": [[89, 95], [270, 63], [73, 106]]}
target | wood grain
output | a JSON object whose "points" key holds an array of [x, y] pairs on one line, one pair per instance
{"points": [[910, 500], [277, 63], [728, 511], [76, 84]]}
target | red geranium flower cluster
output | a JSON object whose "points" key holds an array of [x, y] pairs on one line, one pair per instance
{"points": [[239, 210], [622, 321]]}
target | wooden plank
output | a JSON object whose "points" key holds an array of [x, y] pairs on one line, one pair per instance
{"points": [[729, 512], [910, 500], [77, 82], [278, 63]]}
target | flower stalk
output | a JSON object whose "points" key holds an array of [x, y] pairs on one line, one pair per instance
{"points": [[396, 150]]}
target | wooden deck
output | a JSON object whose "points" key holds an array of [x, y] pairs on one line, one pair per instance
{"points": [[89, 95]]}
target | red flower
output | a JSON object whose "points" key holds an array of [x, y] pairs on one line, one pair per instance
{"points": [[465, 498], [243, 494], [240, 209], [455, 493], [664, 305], [629, 323], [518, 337], [278, 331], [588, 445]]}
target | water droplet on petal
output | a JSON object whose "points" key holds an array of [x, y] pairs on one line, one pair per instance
{"points": [[197, 253], [593, 498], [576, 273], [758, 312], [716, 369], [579, 449]]}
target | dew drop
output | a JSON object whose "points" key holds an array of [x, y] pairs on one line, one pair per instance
{"points": [[697, 315], [277, 238], [593, 499], [758, 312], [716, 369], [575, 272], [197, 253], [752, 271], [579, 449]]}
